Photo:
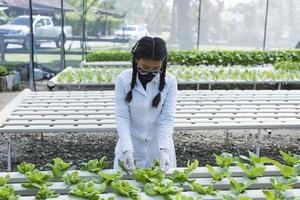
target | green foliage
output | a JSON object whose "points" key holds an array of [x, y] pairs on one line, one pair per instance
{"points": [[165, 188], [252, 171], [126, 189], [95, 165], [36, 179], [286, 171], [290, 159], [282, 184], [4, 180], [213, 57], [25, 167], [8, 193], [45, 193], [288, 65], [59, 167], [88, 190], [143, 175], [253, 159], [200, 189], [109, 178], [183, 176], [224, 160], [3, 71], [217, 175], [239, 188], [72, 178]]}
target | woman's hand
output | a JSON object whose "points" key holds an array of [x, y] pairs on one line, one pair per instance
{"points": [[164, 160], [128, 160]]}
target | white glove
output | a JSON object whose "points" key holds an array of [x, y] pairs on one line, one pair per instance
{"points": [[128, 160], [164, 160]]}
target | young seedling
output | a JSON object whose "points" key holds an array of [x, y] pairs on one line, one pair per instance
{"points": [[88, 190], [72, 178], [224, 160], [145, 174], [25, 167], [59, 167], [164, 188], [180, 196], [286, 171], [290, 159], [240, 188], [36, 179], [8, 193], [282, 184], [126, 189], [252, 172], [183, 176], [109, 178], [276, 195], [45, 193], [95, 165], [217, 176], [253, 159], [4, 180], [200, 189], [233, 197]]}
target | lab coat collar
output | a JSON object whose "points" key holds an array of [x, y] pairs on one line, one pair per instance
{"points": [[139, 85]]}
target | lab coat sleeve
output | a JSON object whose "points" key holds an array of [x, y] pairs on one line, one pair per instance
{"points": [[122, 116], [167, 116]]}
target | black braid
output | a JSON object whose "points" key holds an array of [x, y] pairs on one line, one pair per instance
{"points": [[162, 83], [133, 80]]}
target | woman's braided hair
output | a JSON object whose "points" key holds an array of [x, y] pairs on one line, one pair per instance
{"points": [[149, 48]]}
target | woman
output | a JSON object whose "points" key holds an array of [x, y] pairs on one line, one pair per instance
{"points": [[145, 100]]}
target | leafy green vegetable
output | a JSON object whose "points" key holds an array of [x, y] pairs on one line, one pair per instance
{"points": [[200, 189], [232, 197], [88, 190], [8, 193], [290, 159], [282, 184], [95, 165], [109, 178], [59, 167], [224, 159], [180, 196], [25, 167], [145, 174], [126, 189], [45, 193], [218, 176], [239, 188], [36, 179], [253, 159], [72, 178], [276, 195], [286, 171], [183, 176], [252, 172], [165, 188], [4, 180]]}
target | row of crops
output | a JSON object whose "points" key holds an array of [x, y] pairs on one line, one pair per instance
{"points": [[183, 74], [242, 174]]}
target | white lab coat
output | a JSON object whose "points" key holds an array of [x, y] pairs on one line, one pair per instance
{"points": [[141, 127]]}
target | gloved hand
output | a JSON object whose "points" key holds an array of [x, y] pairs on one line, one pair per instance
{"points": [[164, 160], [128, 160]]}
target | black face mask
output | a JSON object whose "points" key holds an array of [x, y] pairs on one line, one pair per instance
{"points": [[145, 78]]}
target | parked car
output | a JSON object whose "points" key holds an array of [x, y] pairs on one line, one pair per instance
{"points": [[42, 27], [131, 32]]}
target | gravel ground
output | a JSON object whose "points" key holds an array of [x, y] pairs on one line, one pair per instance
{"points": [[200, 145]]}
